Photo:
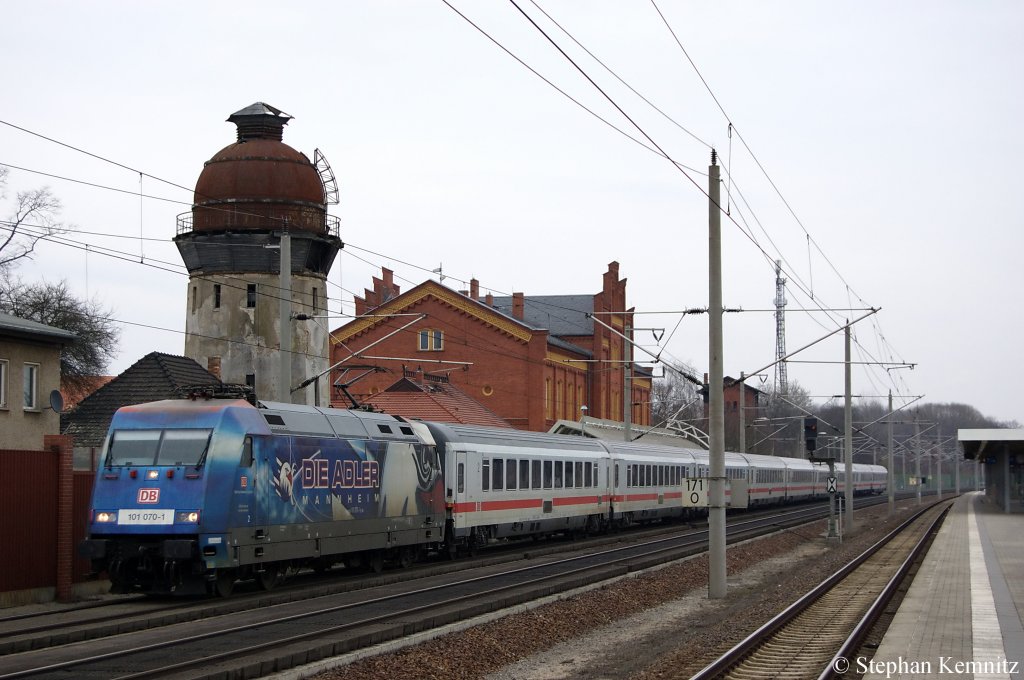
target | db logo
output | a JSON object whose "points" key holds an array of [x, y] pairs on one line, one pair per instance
{"points": [[149, 495]]}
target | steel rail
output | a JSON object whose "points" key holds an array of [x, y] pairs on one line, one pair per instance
{"points": [[863, 628], [721, 666], [680, 544]]}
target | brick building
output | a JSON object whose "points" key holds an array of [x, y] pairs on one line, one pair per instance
{"points": [[533, 360], [29, 373]]}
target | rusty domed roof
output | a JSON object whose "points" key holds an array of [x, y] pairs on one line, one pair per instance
{"points": [[259, 182]]}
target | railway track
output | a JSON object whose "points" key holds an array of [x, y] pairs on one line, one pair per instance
{"points": [[806, 639], [264, 638], [95, 620]]}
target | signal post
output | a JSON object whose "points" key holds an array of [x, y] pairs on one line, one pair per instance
{"points": [[831, 484]]}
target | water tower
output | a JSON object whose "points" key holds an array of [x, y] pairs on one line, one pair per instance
{"points": [[249, 196]]}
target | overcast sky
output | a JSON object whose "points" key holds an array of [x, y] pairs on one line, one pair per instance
{"points": [[889, 136]]}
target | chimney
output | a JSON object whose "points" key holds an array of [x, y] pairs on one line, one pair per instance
{"points": [[213, 366], [260, 121], [517, 305], [490, 299], [474, 289]]}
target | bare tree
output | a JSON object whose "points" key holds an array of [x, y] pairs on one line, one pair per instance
{"points": [[34, 218], [53, 305], [675, 397]]}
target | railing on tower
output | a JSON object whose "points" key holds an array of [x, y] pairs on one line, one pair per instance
{"points": [[331, 224]]}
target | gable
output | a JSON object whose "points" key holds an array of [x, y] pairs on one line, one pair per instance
{"points": [[423, 293]]}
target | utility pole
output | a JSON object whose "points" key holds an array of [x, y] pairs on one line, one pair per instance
{"points": [[938, 459], [957, 462], [286, 316], [716, 492], [848, 410], [743, 403], [917, 457], [891, 476], [627, 389]]}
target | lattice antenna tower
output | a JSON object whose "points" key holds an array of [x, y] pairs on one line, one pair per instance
{"points": [[781, 380]]}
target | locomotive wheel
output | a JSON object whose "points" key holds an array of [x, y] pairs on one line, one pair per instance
{"points": [[269, 577], [225, 583]]}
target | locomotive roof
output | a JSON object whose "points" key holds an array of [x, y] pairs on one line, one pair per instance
{"points": [[299, 419]]}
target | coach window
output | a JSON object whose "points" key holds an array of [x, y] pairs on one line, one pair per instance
{"points": [[547, 474], [616, 474], [3, 383], [588, 478], [579, 474], [499, 470], [462, 477], [535, 481], [486, 476], [510, 473], [247, 452], [558, 474], [568, 475], [524, 474]]}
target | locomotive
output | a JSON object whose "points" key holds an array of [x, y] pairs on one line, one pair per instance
{"points": [[194, 495]]}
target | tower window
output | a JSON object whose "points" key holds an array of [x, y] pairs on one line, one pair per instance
{"points": [[195, 296], [250, 379], [316, 301], [216, 296], [250, 295]]}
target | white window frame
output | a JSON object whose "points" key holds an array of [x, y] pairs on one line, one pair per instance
{"points": [[4, 372], [31, 369], [431, 340]]}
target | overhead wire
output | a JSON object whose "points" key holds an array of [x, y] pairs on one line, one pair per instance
{"points": [[756, 160], [657, 148]]}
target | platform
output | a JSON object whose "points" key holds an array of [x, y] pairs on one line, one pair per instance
{"points": [[962, 616]]}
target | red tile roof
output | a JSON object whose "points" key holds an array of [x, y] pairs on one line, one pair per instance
{"points": [[439, 401]]}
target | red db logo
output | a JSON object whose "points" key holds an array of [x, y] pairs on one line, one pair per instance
{"points": [[149, 495]]}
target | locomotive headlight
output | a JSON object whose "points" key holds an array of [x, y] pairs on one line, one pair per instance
{"points": [[187, 517], [152, 474], [105, 517]]}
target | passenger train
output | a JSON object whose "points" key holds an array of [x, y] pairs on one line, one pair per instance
{"points": [[196, 494]]}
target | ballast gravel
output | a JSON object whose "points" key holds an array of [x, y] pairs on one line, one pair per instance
{"points": [[656, 625]]}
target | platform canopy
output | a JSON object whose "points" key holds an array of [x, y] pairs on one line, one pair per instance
{"points": [[977, 443]]}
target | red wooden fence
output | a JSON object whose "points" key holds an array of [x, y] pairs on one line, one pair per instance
{"points": [[34, 538]]}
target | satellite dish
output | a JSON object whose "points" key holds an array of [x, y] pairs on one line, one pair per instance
{"points": [[56, 401]]}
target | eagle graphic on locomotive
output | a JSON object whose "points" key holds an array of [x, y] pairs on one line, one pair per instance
{"points": [[196, 494]]}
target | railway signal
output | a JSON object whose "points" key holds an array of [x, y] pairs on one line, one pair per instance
{"points": [[811, 432]]}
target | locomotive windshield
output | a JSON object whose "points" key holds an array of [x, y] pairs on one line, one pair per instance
{"points": [[158, 447]]}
